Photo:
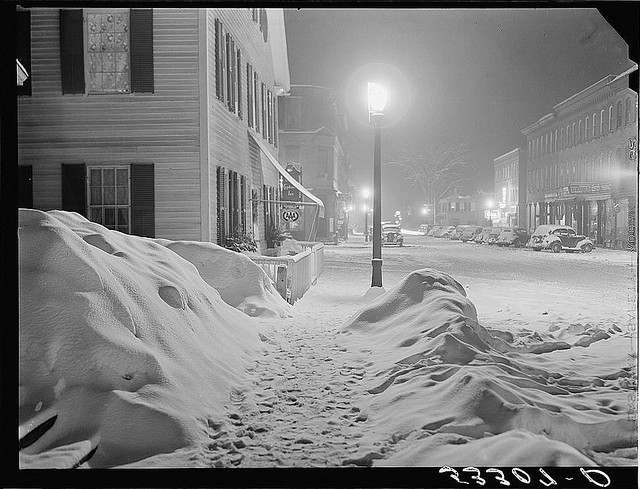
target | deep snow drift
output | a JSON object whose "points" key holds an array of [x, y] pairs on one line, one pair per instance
{"points": [[468, 396], [145, 350], [126, 347]]}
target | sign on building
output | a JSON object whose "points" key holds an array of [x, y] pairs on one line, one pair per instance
{"points": [[289, 192], [290, 215]]}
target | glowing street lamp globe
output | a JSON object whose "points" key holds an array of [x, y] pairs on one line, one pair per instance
{"points": [[377, 99]]}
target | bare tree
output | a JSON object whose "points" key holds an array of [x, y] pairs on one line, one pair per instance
{"points": [[434, 170]]}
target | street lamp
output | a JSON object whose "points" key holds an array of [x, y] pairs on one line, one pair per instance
{"points": [[377, 100], [424, 212]]}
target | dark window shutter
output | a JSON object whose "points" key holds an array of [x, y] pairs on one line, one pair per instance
{"points": [[141, 22], [143, 219], [218, 62], [25, 186], [23, 48], [74, 188], [71, 51]]}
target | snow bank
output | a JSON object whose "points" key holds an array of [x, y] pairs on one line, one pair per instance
{"points": [[125, 350], [432, 369], [240, 282]]}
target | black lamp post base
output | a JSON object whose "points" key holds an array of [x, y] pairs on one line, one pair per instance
{"points": [[376, 272]]}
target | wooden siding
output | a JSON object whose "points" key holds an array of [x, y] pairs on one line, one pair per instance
{"points": [[161, 128], [228, 138]]}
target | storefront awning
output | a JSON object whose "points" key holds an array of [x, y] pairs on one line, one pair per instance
{"points": [[288, 177]]}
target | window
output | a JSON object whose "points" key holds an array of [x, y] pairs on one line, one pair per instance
{"points": [[566, 136], [250, 96], [107, 51], [610, 129], [619, 114], [228, 70], [562, 138], [627, 110], [457, 206], [529, 143], [263, 109], [546, 144], [573, 134], [257, 114], [594, 128], [602, 122], [586, 128], [557, 146], [270, 116], [109, 197], [551, 143], [580, 131]]}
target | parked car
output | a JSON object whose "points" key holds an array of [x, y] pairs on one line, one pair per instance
{"points": [[392, 234], [493, 235], [513, 236], [434, 230], [483, 236], [458, 231], [425, 228], [470, 233], [445, 232], [559, 238]]}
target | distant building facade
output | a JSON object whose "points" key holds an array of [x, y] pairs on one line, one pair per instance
{"points": [[582, 164], [311, 143], [510, 198], [458, 209], [155, 122]]}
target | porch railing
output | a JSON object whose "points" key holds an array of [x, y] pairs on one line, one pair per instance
{"points": [[294, 275]]}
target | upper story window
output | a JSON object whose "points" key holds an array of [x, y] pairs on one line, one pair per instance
{"points": [[228, 69], [602, 122], [562, 138], [107, 51], [580, 131], [627, 110], [586, 128], [594, 126], [573, 134], [111, 54], [610, 119], [323, 162], [619, 114]]}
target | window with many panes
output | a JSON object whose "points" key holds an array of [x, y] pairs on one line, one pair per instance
{"points": [[107, 51], [109, 196]]}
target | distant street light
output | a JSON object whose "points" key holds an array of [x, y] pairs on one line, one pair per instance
{"points": [[377, 100], [424, 212], [365, 209]]}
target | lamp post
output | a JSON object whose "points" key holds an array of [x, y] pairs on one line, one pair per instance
{"points": [[425, 212], [377, 100]]}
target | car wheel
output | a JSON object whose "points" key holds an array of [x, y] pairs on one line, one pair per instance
{"points": [[517, 243], [588, 248], [556, 247]]}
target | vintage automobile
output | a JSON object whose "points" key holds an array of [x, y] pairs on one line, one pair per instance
{"points": [[458, 232], [392, 235], [433, 231], [470, 233], [483, 235], [493, 235], [513, 236], [557, 238], [425, 228], [445, 232]]}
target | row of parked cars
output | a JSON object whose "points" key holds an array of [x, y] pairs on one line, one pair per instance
{"points": [[554, 237]]}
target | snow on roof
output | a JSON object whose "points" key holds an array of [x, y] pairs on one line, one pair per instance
{"points": [[125, 347]]}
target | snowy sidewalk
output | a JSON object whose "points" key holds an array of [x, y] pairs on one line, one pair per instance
{"points": [[300, 408]]}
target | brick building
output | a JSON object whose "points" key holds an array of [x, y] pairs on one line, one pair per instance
{"points": [[311, 141], [156, 122], [509, 189], [582, 165]]}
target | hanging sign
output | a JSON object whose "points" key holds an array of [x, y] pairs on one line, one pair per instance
{"points": [[290, 215]]}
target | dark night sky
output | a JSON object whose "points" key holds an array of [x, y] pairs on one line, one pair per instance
{"points": [[475, 76]]}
